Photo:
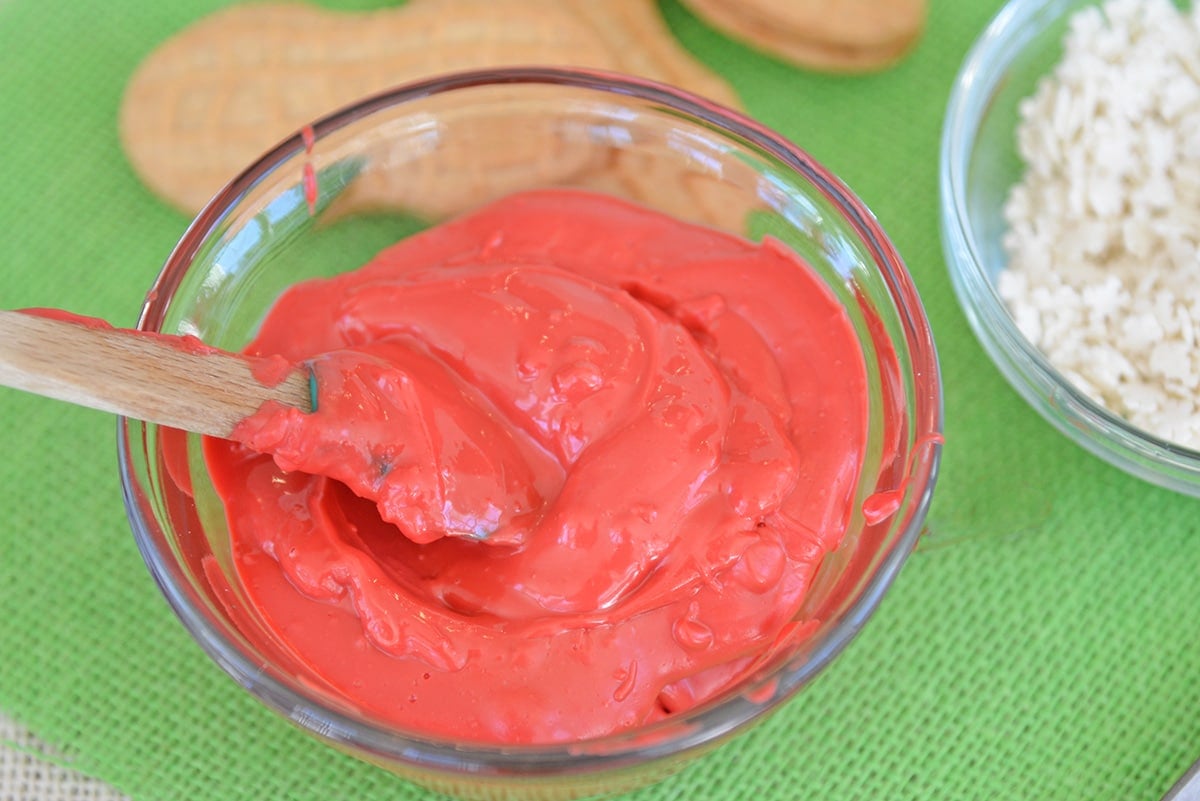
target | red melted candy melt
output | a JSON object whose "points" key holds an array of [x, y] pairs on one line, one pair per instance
{"points": [[573, 468]]}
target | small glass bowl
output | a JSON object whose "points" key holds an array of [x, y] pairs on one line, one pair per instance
{"points": [[439, 147], [979, 164]]}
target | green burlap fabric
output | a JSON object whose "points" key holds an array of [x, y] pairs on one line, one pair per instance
{"points": [[1042, 643]]}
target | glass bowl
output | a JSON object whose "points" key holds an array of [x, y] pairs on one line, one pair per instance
{"points": [[327, 198], [979, 164]]}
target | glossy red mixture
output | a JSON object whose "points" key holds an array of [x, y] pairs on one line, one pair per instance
{"points": [[572, 469]]}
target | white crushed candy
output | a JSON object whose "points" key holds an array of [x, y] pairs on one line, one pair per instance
{"points": [[1140, 331], [1104, 299], [1171, 360], [1103, 232], [1187, 330], [1141, 398]]}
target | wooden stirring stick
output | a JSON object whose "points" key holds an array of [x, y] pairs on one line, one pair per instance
{"points": [[160, 379]]}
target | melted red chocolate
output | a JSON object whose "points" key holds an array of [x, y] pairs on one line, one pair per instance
{"points": [[572, 469]]}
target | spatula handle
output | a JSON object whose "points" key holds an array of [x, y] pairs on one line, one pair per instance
{"points": [[173, 381]]}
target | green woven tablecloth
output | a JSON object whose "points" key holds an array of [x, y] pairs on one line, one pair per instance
{"points": [[1043, 641]]}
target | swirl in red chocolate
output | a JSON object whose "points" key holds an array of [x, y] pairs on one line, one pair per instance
{"points": [[573, 467]]}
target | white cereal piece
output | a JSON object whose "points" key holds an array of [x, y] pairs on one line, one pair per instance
{"points": [[1187, 330], [1175, 420], [1171, 361], [1141, 398], [1104, 300], [1103, 234], [1177, 99], [1139, 331]]}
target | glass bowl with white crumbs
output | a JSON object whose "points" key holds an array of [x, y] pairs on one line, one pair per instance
{"points": [[1070, 212]]}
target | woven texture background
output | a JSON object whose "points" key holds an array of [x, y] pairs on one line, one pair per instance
{"points": [[1043, 642], [28, 772]]}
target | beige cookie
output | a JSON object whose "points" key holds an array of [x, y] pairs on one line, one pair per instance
{"points": [[639, 38], [830, 35], [214, 97], [443, 159], [723, 200]]}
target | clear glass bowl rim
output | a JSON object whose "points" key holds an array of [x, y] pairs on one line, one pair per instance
{"points": [[688, 731], [1083, 420]]}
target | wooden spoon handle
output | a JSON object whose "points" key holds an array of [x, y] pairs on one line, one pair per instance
{"points": [[173, 381]]}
